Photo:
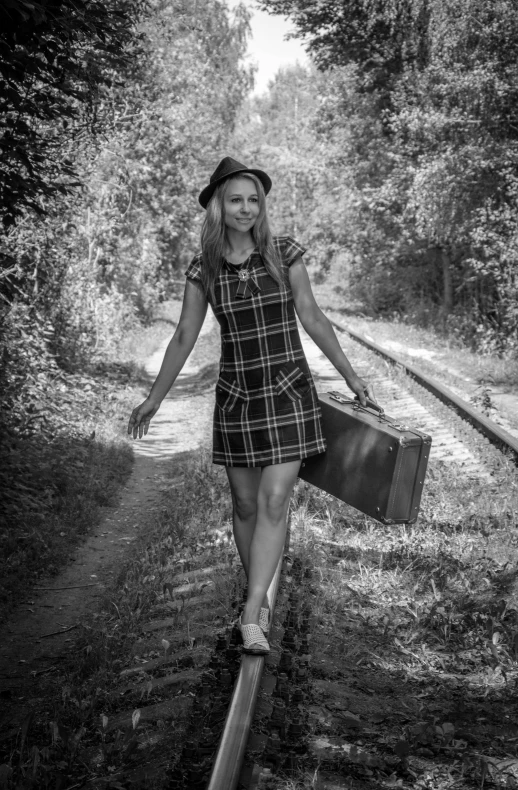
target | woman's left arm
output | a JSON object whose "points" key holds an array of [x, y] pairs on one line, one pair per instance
{"points": [[322, 333]]}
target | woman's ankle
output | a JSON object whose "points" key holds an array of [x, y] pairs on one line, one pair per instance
{"points": [[250, 614]]}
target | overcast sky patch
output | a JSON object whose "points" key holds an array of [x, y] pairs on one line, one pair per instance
{"points": [[268, 48]]}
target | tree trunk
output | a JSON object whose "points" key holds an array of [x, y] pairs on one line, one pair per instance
{"points": [[447, 284], [294, 180]]}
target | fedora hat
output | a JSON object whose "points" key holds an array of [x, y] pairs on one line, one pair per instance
{"points": [[230, 167]]}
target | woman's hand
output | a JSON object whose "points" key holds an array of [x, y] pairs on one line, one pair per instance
{"points": [[140, 418], [362, 389]]}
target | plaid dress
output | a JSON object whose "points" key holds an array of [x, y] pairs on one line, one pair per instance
{"points": [[266, 409]]}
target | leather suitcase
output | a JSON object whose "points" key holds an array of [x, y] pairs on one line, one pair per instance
{"points": [[372, 461]]}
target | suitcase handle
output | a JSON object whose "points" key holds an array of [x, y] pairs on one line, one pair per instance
{"points": [[370, 403]]}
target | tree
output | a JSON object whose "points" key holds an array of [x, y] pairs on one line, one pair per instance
{"points": [[439, 83], [57, 58], [105, 253], [275, 133]]}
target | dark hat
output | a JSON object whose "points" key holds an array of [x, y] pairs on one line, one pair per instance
{"points": [[230, 167]]}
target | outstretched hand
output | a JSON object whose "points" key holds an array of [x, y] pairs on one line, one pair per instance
{"points": [[140, 418]]}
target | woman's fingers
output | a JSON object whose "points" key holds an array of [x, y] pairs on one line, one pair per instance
{"points": [[134, 422], [369, 391], [365, 391], [361, 391], [138, 424], [131, 423], [140, 419]]}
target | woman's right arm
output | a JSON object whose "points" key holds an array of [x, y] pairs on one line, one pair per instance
{"points": [[194, 310]]}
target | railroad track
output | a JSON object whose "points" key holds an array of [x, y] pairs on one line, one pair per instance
{"points": [[416, 399], [247, 717]]}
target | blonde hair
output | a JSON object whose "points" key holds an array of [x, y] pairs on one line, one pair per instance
{"points": [[214, 239]]}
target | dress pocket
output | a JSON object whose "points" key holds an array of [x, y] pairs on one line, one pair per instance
{"points": [[291, 382], [228, 395]]}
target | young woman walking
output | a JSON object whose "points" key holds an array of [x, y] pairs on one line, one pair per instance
{"points": [[266, 417]]}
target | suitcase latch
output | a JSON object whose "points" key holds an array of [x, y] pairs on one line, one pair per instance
{"points": [[340, 398], [398, 426]]}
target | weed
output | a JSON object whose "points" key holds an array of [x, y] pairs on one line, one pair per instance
{"points": [[482, 399], [415, 624]]}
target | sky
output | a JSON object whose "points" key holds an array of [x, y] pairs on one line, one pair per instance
{"points": [[267, 47]]}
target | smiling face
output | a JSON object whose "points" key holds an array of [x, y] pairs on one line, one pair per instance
{"points": [[241, 204]]}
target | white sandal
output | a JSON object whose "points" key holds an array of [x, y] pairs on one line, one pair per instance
{"points": [[254, 640], [264, 619]]}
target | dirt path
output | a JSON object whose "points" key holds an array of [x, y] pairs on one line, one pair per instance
{"points": [[40, 632]]}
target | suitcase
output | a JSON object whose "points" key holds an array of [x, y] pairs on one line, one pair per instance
{"points": [[372, 461]]}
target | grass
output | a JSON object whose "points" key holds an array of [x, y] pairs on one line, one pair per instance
{"points": [[74, 731], [415, 633], [58, 475]]}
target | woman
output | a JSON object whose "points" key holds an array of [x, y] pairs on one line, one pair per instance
{"points": [[267, 417]]}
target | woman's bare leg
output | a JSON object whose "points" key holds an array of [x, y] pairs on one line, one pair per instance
{"points": [[273, 499], [244, 485]]}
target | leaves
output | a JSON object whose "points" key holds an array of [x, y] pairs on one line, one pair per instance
{"points": [[75, 281], [416, 146], [62, 64], [402, 749]]}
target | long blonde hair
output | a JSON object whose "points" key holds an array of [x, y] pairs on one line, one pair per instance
{"points": [[214, 240]]}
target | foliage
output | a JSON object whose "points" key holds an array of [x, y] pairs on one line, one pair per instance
{"points": [[135, 109], [63, 459], [416, 117], [96, 261], [57, 61], [275, 133], [375, 35], [414, 635]]}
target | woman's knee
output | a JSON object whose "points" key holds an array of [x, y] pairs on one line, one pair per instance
{"points": [[274, 504], [245, 507]]}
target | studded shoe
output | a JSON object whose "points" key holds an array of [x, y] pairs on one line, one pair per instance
{"points": [[254, 640]]}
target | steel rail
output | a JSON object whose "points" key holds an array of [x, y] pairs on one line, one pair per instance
{"points": [[231, 750], [497, 435]]}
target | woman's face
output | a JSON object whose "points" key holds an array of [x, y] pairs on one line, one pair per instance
{"points": [[241, 204]]}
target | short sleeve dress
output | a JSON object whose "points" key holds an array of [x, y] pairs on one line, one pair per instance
{"points": [[266, 409]]}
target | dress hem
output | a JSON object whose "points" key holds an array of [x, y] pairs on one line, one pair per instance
{"points": [[259, 463]]}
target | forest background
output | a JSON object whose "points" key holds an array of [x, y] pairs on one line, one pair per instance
{"points": [[394, 157]]}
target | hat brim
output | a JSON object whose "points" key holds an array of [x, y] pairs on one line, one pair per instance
{"points": [[206, 194]]}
